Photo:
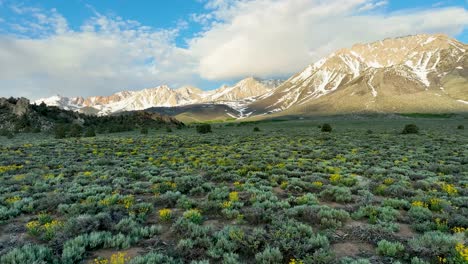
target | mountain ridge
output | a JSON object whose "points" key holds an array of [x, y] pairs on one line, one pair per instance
{"points": [[380, 71], [417, 73]]}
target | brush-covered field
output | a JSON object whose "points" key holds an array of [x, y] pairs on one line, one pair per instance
{"points": [[288, 193]]}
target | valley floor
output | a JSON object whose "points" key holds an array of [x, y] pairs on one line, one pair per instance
{"points": [[289, 193]]}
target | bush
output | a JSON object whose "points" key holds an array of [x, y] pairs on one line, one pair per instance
{"points": [[168, 129], [337, 194], [144, 131], [256, 129], [28, 254], [60, 132], [165, 215], [461, 127], [7, 134], [269, 256], [152, 257], [433, 244], [326, 128], [389, 249], [76, 130], [194, 216], [410, 129], [90, 133], [230, 258], [204, 128]]}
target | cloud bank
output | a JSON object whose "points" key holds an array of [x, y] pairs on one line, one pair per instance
{"points": [[42, 56]]}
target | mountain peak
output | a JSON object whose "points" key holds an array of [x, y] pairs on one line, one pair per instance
{"points": [[411, 64]]}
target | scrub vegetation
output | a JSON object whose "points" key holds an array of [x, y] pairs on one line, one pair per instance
{"points": [[289, 193]]}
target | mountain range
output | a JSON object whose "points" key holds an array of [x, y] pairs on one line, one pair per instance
{"points": [[420, 73], [237, 97]]}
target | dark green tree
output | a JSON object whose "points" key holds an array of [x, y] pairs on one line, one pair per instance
{"points": [[60, 131], [204, 128], [90, 132], [326, 128], [76, 131], [410, 129]]}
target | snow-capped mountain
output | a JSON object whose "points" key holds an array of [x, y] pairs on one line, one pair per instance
{"points": [[421, 73], [237, 96], [401, 74]]}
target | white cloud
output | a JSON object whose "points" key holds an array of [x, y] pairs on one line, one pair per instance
{"points": [[268, 38], [106, 55], [373, 5]]}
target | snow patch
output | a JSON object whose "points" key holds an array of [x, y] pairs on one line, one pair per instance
{"points": [[304, 75], [374, 64], [353, 65], [429, 40], [374, 91], [420, 69]]}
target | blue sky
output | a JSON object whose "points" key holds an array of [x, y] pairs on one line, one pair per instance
{"points": [[83, 47], [156, 14]]}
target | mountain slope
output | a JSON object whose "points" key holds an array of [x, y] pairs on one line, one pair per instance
{"points": [[416, 73], [197, 113]]}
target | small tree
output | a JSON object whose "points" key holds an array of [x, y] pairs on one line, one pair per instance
{"points": [[256, 129], [7, 134], [204, 128], [144, 131], [76, 130], [326, 128], [168, 129], [60, 132], [461, 127], [90, 132], [410, 129]]}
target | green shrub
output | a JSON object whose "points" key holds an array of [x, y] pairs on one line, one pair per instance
{"points": [[396, 203], [337, 194], [461, 127], [28, 254], [231, 258], [152, 257], [194, 216], [76, 131], [347, 260], [168, 130], [7, 134], [296, 239], [332, 218], [416, 260], [269, 256], [433, 244], [389, 249], [204, 128], [90, 132], [256, 129], [410, 129], [60, 131], [144, 131], [326, 128]]}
